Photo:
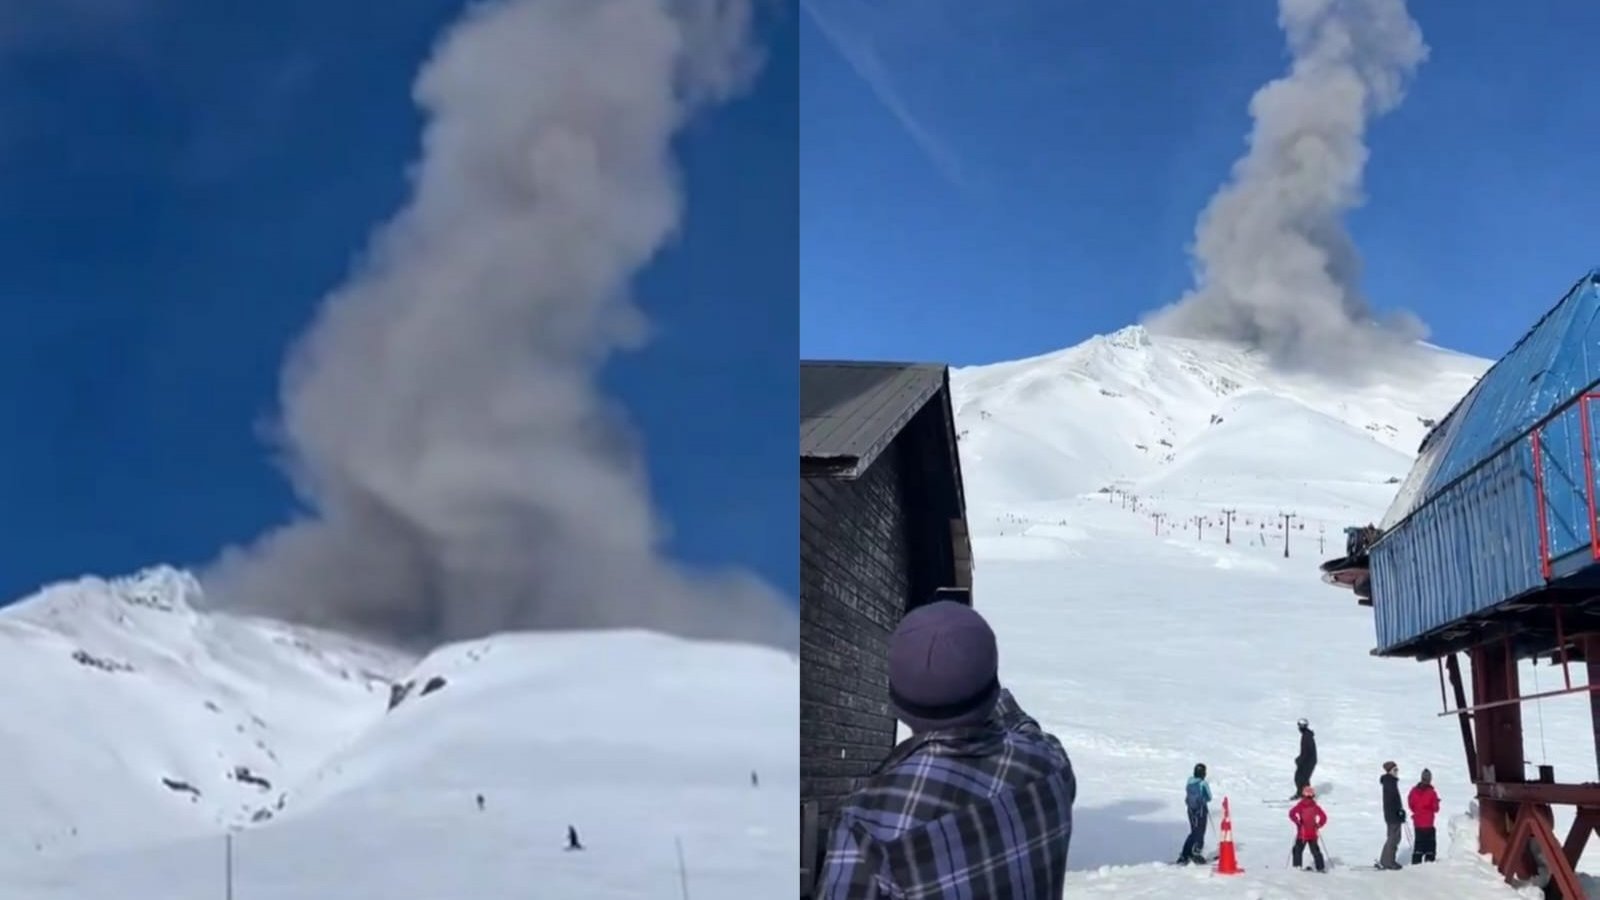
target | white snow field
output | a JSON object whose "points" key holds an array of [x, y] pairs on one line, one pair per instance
{"points": [[1146, 653], [644, 742]]}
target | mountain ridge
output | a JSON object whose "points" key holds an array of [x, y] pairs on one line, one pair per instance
{"points": [[1157, 414], [151, 726]]}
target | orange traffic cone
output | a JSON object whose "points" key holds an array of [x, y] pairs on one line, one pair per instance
{"points": [[1227, 862]]}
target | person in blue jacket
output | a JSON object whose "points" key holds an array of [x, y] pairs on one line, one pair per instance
{"points": [[1197, 800]]}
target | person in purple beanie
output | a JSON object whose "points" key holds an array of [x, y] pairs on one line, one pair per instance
{"points": [[977, 802]]}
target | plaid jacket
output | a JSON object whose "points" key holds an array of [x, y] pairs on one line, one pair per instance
{"points": [[967, 814]]}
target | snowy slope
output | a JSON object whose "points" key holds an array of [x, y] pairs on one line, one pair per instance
{"points": [[1149, 645], [117, 686], [641, 741], [1175, 415]]}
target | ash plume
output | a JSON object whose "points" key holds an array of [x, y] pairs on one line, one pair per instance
{"points": [[440, 420], [1275, 267]]}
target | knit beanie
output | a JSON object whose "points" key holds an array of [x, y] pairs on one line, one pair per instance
{"points": [[943, 667]]}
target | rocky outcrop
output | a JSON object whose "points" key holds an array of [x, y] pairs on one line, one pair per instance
{"points": [[243, 775], [399, 691], [102, 663], [184, 787]]}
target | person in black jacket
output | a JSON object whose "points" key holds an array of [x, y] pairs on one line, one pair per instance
{"points": [[1306, 762], [1394, 815]]}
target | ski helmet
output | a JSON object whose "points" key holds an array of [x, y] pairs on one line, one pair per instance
{"points": [[1199, 770], [1302, 723]]}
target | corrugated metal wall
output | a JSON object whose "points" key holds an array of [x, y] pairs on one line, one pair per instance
{"points": [[1462, 546], [1473, 546]]}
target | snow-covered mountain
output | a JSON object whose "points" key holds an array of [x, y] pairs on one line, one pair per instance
{"points": [[139, 729], [1150, 632], [1157, 414]]}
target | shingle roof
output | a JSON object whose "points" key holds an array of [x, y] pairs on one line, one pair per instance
{"points": [[851, 411]]}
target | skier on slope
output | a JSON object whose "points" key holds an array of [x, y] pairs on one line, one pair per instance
{"points": [[1424, 803], [1306, 762], [1308, 819], [1394, 815], [1197, 800]]}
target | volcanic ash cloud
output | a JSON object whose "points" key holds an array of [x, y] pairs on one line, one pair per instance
{"points": [[441, 419], [1275, 267]]}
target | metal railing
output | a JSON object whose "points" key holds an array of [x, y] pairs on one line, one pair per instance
{"points": [[1586, 433]]}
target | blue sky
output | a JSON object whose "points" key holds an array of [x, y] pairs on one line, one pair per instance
{"points": [[991, 181], [180, 187]]}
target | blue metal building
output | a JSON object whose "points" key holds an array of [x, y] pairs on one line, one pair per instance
{"points": [[1498, 514]]}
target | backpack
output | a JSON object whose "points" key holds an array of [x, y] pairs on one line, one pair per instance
{"points": [[1195, 795]]}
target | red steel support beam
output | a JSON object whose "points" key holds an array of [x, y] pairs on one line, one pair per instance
{"points": [[1588, 473], [1517, 701], [1583, 825], [1538, 505], [1510, 661], [1498, 729], [1532, 829], [1581, 795], [1516, 825]]}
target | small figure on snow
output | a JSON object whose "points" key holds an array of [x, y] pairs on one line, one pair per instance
{"points": [[1424, 803], [572, 839], [1309, 820], [754, 781], [1306, 762], [480, 803], [1197, 799], [1394, 815]]}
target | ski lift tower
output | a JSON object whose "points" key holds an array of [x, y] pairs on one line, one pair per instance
{"points": [[1492, 551]]}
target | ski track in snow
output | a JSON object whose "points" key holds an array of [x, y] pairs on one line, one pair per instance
{"points": [[1146, 653]]}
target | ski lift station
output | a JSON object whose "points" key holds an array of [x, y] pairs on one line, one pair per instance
{"points": [[1492, 549]]}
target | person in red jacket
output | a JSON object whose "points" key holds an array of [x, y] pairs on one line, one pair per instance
{"points": [[1424, 803], [1308, 819]]}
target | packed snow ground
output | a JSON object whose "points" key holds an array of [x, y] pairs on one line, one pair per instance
{"points": [[130, 711], [1149, 645]]}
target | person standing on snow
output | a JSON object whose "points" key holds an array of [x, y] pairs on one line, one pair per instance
{"points": [[1306, 762], [1424, 803], [977, 802], [1309, 820], [1197, 800], [1394, 815]]}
